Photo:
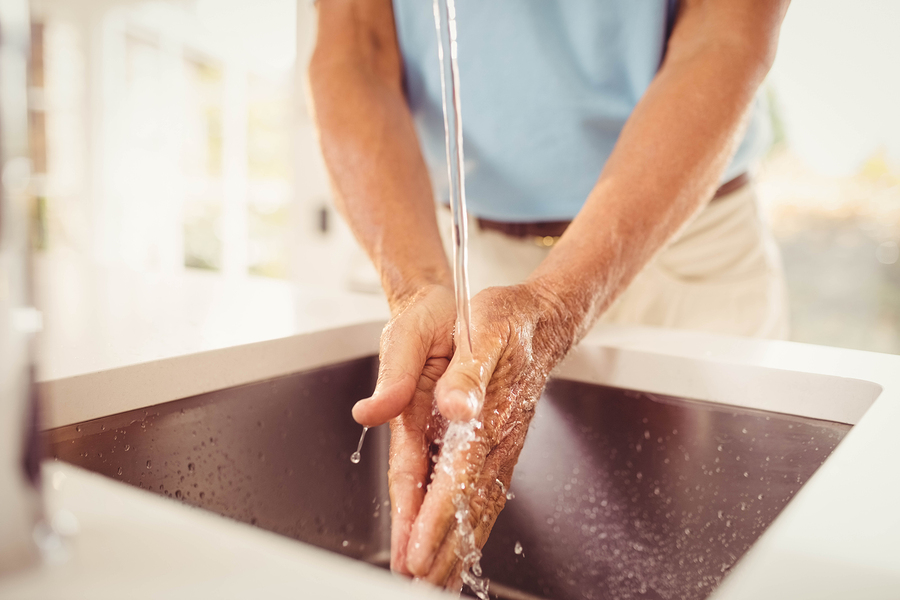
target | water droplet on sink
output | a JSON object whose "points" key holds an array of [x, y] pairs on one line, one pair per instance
{"points": [[518, 548], [354, 458], [148, 464], [127, 447], [119, 471], [345, 543], [190, 466]]}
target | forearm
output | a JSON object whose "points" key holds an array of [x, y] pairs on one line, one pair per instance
{"points": [[379, 177], [665, 166]]}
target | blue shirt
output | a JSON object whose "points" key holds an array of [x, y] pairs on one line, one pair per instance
{"points": [[546, 87]]}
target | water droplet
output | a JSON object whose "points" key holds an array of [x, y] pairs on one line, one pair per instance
{"points": [[345, 543], [518, 548], [178, 494], [148, 464], [127, 447], [78, 428], [119, 471], [355, 457], [190, 466]]}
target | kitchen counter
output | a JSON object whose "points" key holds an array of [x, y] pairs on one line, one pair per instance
{"points": [[131, 544]]}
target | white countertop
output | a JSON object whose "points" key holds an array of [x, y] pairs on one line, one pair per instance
{"points": [[132, 544]]}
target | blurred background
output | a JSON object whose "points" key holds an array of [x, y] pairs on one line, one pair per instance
{"points": [[178, 185]]}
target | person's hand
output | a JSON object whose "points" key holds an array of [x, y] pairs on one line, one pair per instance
{"points": [[519, 333], [416, 347]]}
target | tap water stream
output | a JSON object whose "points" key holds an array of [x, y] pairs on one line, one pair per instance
{"points": [[459, 434], [445, 24]]}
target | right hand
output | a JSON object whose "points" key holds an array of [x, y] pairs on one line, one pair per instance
{"points": [[416, 348]]}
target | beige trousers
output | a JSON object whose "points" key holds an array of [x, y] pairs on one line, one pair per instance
{"points": [[721, 274]]}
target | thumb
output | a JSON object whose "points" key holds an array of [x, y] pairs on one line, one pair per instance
{"points": [[404, 350], [460, 392]]}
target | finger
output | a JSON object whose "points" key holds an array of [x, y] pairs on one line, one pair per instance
{"points": [[409, 456], [485, 505], [445, 560], [461, 390], [455, 582], [459, 464], [404, 350]]}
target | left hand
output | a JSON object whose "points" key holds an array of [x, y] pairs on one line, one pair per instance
{"points": [[518, 335]]}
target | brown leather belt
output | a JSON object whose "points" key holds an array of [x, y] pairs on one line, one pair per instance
{"points": [[545, 233]]}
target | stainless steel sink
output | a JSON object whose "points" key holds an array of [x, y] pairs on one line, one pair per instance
{"points": [[618, 494]]}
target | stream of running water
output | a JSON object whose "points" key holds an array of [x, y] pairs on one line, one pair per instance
{"points": [[459, 435]]}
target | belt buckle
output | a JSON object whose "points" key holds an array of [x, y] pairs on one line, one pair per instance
{"points": [[546, 241]]}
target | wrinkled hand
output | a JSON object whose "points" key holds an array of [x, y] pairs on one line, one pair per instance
{"points": [[518, 335]]}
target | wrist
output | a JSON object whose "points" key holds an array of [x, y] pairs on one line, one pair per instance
{"points": [[567, 309], [401, 290]]}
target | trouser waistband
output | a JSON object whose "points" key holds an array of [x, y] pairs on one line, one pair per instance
{"points": [[547, 232]]}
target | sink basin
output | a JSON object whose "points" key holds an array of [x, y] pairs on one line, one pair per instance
{"points": [[618, 493]]}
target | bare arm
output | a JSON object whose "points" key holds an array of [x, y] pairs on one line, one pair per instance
{"points": [[671, 153], [380, 180], [382, 187]]}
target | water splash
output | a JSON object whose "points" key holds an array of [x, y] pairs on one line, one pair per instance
{"points": [[458, 439], [355, 457]]}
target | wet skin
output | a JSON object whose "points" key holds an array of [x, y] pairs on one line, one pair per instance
{"points": [[517, 337]]}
